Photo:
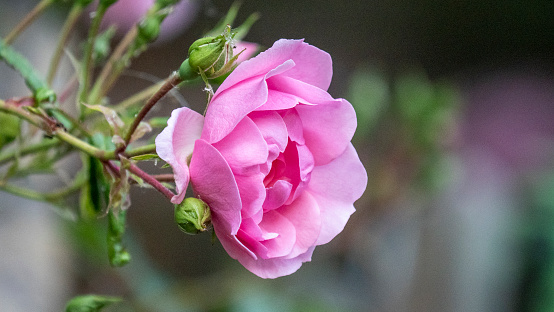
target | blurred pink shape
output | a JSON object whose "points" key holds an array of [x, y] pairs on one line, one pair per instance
{"points": [[126, 13]]}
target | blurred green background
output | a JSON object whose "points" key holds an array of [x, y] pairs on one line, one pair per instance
{"points": [[455, 105]]}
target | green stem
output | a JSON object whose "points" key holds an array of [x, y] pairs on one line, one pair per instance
{"points": [[47, 197], [57, 132], [152, 181], [169, 84], [43, 145], [87, 59], [109, 75], [22, 114], [28, 20], [84, 146], [142, 150], [137, 97], [70, 22]]}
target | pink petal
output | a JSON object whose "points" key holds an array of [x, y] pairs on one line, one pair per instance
{"points": [[277, 195], [294, 126], [277, 100], [175, 144], [228, 108], [304, 214], [335, 187], [274, 222], [312, 65], [250, 49], [272, 127], [328, 128], [262, 63], [252, 193], [306, 93], [275, 267], [243, 147], [213, 181], [234, 247]]}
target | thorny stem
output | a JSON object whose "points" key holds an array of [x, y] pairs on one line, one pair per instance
{"points": [[144, 176], [170, 83], [27, 20], [161, 178], [72, 18], [151, 180]]}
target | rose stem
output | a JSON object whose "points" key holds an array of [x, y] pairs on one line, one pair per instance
{"points": [[144, 176], [169, 84]]}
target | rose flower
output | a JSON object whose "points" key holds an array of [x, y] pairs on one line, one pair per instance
{"points": [[272, 158]]}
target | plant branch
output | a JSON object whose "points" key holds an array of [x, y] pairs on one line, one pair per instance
{"points": [[28, 20], [169, 84], [87, 59], [70, 22], [43, 145], [151, 180], [146, 149], [108, 75]]}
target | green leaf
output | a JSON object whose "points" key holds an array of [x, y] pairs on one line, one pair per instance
{"points": [[113, 119], [145, 157], [89, 303], [20, 64], [9, 128], [142, 129], [101, 49]]}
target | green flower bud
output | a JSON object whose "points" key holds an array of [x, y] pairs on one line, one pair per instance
{"points": [[208, 54], [106, 3], [192, 215], [45, 95], [166, 3], [186, 72], [149, 29]]}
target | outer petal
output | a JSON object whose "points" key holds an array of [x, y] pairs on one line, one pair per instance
{"points": [[335, 186], [314, 66], [175, 144], [229, 107], [275, 267], [307, 93], [328, 128], [213, 181]]}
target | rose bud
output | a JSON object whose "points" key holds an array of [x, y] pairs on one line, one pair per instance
{"points": [[192, 215]]}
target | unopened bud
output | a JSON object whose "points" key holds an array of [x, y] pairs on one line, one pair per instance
{"points": [[192, 215], [207, 54], [149, 29]]}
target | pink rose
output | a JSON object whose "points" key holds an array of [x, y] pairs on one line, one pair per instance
{"points": [[273, 160]]}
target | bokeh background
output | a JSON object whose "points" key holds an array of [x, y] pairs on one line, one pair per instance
{"points": [[455, 104]]}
